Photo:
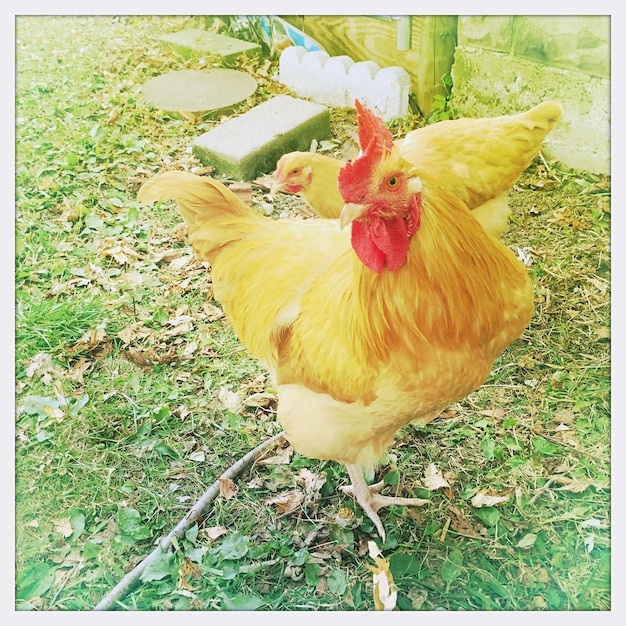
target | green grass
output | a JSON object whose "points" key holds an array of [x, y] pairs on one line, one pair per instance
{"points": [[123, 377]]}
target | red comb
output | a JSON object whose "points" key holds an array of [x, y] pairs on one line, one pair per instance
{"points": [[370, 127], [375, 139]]}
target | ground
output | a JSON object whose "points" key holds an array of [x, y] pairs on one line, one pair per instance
{"points": [[133, 394]]}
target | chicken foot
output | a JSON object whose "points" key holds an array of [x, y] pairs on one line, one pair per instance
{"points": [[370, 500]]}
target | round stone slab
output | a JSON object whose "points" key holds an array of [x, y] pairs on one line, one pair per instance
{"points": [[196, 91]]}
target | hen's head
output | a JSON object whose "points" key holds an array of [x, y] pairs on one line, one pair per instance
{"points": [[382, 196], [293, 173]]}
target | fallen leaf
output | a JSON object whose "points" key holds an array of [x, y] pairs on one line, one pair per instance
{"points": [[178, 263], [282, 458], [527, 541], [79, 370], [565, 415], [344, 517], [214, 532], [460, 524], [603, 333], [385, 591], [491, 498], [592, 521], [41, 367], [212, 312], [228, 489], [63, 526], [190, 348], [233, 401], [113, 116], [120, 253], [261, 400], [311, 482], [198, 456], [497, 412], [91, 340], [188, 569], [434, 481], [287, 502], [577, 484]]}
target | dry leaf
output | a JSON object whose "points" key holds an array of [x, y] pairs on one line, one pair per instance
{"points": [[497, 412], [527, 541], [434, 481], [287, 502], [576, 485], [79, 370], [190, 348], [231, 400], [228, 489], [188, 569], [385, 591], [212, 312], [311, 482], [260, 400], [491, 498], [460, 525], [344, 517], [214, 532], [120, 253], [90, 340], [177, 264], [63, 526], [113, 117], [40, 367], [282, 458], [198, 456]]}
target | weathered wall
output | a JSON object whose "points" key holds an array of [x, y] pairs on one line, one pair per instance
{"points": [[505, 64]]}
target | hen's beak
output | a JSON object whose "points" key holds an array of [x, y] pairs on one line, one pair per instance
{"points": [[351, 212], [276, 187]]}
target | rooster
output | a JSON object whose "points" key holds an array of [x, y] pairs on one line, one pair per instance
{"points": [[366, 323], [476, 159]]}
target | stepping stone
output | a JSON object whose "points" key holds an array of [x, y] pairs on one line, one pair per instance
{"points": [[198, 42], [249, 145], [199, 91]]}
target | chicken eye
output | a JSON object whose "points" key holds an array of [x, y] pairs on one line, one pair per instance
{"points": [[392, 182], [295, 170]]}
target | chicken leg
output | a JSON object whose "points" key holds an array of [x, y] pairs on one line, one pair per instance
{"points": [[370, 500]]}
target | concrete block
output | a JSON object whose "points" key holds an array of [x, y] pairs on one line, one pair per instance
{"points": [[196, 42], [249, 145], [339, 81]]}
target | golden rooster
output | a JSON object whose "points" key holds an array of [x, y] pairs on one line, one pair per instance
{"points": [[367, 328], [476, 159]]}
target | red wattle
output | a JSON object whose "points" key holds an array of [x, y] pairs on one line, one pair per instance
{"points": [[379, 242]]}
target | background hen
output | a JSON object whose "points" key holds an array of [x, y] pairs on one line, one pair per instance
{"points": [[476, 159], [363, 329]]}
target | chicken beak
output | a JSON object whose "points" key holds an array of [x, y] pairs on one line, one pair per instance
{"points": [[351, 212], [276, 187]]}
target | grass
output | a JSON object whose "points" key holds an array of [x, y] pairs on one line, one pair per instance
{"points": [[127, 373]]}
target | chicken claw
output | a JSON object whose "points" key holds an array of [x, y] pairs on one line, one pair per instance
{"points": [[370, 500]]}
